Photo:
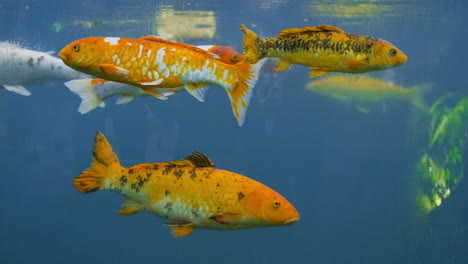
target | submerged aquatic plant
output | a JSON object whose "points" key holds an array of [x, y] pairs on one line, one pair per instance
{"points": [[441, 167]]}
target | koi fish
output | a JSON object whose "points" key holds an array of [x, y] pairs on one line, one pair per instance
{"points": [[152, 63], [190, 193], [93, 92], [365, 90], [20, 67], [323, 49]]}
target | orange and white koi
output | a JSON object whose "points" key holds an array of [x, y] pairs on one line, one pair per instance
{"points": [[190, 193], [93, 92], [323, 49], [151, 63]]}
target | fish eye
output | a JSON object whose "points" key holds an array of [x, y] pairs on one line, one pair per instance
{"points": [[76, 48], [235, 57], [392, 53], [276, 204]]}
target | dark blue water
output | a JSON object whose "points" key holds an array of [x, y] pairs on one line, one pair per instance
{"points": [[350, 175]]}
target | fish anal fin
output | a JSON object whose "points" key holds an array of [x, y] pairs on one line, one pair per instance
{"points": [[312, 29], [181, 228], [130, 207], [113, 70], [316, 73], [226, 218], [196, 90], [282, 65], [183, 45], [200, 160]]}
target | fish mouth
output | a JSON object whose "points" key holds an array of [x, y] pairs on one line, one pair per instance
{"points": [[63, 55], [291, 221]]}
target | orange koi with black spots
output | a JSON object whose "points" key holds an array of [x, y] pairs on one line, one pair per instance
{"points": [[190, 193]]}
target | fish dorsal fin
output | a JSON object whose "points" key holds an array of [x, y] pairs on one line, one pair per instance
{"points": [[199, 160], [304, 30], [183, 45]]}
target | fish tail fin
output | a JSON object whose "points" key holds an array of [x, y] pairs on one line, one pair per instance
{"points": [[416, 96], [251, 54], [104, 158], [241, 93], [86, 89]]}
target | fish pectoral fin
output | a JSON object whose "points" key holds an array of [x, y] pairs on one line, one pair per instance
{"points": [[197, 90], [130, 207], [354, 64], [226, 218], [181, 228], [19, 89], [282, 65], [113, 70], [124, 99], [316, 73]]}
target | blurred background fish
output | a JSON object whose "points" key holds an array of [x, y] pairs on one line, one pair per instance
{"points": [[362, 91], [20, 67]]}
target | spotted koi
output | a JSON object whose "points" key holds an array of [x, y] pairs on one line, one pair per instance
{"points": [[190, 193], [323, 49]]}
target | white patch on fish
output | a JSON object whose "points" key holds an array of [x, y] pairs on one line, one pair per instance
{"points": [[112, 41], [140, 51]]}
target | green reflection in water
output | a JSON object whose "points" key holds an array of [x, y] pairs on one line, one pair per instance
{"points": [[440, 168]]}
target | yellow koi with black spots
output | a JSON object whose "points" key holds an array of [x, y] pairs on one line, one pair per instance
{"points": [[323, 49], [191, 193], [152, 63]]}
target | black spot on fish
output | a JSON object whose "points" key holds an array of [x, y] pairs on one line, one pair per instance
{"points": [[130, 171], [193, 173], [148, 175], [168, 169], [167, 193], [168, 206], [123, 180], [155, 166], [178, 173], [31, 62], [195, 212], [240, 196], [217, 184], [41, 58]]}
